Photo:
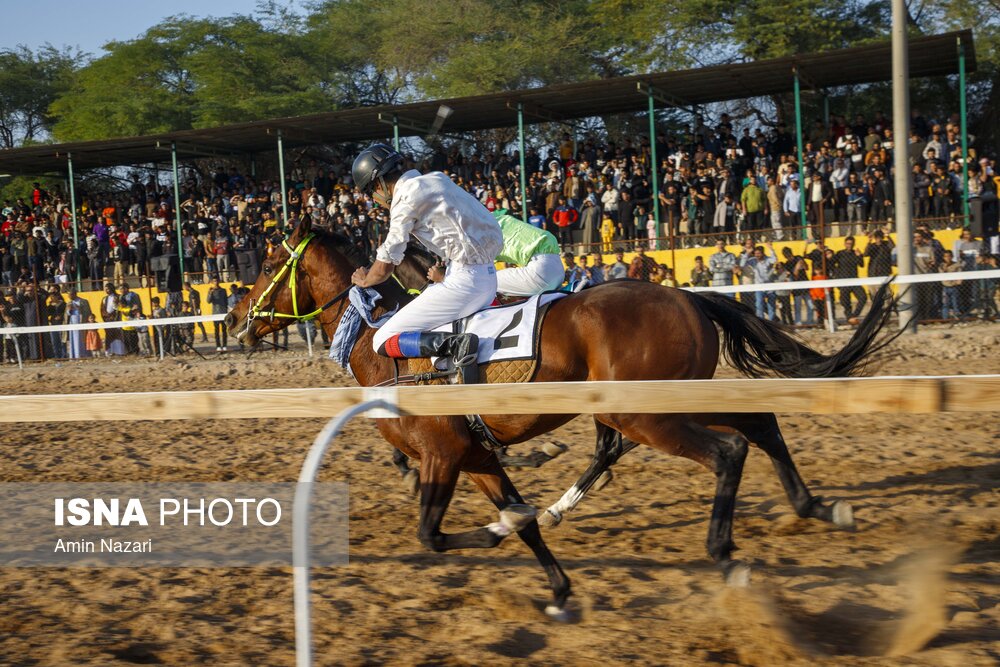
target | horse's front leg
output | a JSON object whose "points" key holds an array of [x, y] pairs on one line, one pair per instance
{"points": [[492, 480], [438, 476], [411, 478]]}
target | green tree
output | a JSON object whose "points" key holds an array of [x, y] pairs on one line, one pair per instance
{"points": [[29, 83]]}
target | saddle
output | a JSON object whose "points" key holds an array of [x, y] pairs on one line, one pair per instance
{"points": [[508, 343]]}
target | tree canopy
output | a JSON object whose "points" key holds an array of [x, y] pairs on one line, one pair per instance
{"points": [[189, 72]]}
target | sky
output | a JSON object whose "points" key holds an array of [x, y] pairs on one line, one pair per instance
{"points": [[88, 24]]}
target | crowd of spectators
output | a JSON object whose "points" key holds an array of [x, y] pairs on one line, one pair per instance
{"points": [[715, 183]]}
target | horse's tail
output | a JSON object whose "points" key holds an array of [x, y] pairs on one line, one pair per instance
{"points": [[761, 348]]}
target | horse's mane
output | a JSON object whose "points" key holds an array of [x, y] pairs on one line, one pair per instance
{"points": [[343, 245]]}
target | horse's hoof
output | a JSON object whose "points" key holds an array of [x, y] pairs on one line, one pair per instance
{"points": [[843, 514], [737, 574], [549, 519], [603, 480], [411, 482], [554, 449], [558, 614], [516, 517]]}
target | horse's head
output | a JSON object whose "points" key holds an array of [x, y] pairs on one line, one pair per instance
{"points": [[304, 272]]}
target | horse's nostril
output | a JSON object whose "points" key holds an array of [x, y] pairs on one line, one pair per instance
{"points": [[229, 321]]}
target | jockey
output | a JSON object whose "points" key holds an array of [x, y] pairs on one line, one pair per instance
{"points": [[451, 223], [534, 251]]}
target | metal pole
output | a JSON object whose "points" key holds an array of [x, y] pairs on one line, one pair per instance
{"points": [[802, 157], [177, 211], [524, 175], [300, 522], [654, 176], [395, 132], [284, 192], [901, 181], [826, 112], [72, 208], [253, 165], [965, 133]]}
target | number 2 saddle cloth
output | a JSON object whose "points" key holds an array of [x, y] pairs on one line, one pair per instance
{"points": [[508, 342]]}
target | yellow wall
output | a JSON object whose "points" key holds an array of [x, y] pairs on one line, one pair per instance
{"points": [[685, 258], [145, 294]]}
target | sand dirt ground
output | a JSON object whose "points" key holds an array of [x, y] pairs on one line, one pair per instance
{"points": [[917, 583]]}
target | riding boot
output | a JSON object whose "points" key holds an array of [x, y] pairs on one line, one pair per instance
{"points": [[462, 348]]}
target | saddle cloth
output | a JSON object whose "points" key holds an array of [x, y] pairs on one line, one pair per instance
{"points": [[508, 341]]}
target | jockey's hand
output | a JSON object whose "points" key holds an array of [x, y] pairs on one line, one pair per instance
{"points": [[435, 274], [358, 278]]}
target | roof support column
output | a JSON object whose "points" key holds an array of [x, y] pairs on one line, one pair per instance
{"points": [[177, 212], [653, 166], [284, 191], [520, 148], [901, 182], [395, 132], [965, 134], [802, 157], [78, 257]]}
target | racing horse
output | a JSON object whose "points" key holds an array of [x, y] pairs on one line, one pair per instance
{"points": [[671, 334]]}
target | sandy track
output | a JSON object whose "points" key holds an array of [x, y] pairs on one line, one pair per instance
{"points": [[924, 491]]}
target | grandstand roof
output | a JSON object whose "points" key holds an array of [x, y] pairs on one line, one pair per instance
{"points": [[929, 56]]}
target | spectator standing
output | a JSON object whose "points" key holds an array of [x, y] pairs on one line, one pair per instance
{"points": [[846, 263], [879, 254], [220, 306], [722, 265], [775, 205], [618, 270], [791, 207], [752, 204], [700, 274], [195, 299], [642, 266], [564, 217], [949, 288], [760, 265]]}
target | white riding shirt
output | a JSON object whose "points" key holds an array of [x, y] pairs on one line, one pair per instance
{"points": [[453, 225], [448, 220]]}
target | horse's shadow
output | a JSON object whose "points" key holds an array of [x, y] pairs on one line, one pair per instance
{"points": [[964, 481]]}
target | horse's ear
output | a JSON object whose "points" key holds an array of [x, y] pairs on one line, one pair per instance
{"points": [[304, 227]]}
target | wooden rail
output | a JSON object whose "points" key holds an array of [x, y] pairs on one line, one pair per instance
{"points": [[954, 393]]}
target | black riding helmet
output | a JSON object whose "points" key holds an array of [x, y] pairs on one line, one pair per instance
{"points": [[373, 164]]}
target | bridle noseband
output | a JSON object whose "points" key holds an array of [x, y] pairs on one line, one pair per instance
{"points": [[290, 267]]}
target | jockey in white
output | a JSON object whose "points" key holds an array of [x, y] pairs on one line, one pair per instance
{"points": [[452, 224]]}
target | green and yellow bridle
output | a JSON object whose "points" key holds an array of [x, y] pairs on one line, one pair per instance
{"points": [[290, 268]]}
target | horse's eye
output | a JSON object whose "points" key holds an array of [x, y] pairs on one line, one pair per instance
{"points": [[267, 269]]}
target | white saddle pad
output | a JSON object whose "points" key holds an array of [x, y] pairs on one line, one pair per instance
{"points": [[505, 332]]}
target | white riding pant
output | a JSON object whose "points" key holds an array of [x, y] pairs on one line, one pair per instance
{"points": [[540, 274], [466, 289]]}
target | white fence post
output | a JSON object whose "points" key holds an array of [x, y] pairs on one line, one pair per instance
{"points": [[300, 521]]}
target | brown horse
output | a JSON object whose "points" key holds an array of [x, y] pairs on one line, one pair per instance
{"points": [[670, 334]]}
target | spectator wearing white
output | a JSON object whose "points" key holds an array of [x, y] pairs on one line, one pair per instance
{"points": [[792, 205], [760, 265]]}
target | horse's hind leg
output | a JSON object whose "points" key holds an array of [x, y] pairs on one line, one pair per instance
{"points": [[492, 480], [762, 430], [722, 453], [611, 446]]}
